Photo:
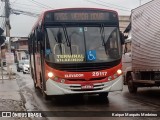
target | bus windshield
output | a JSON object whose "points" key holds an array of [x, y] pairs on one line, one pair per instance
{"points": [[82, 44]]}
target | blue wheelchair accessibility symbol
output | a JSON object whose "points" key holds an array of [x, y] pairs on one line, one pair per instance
{"points": [[91, 55]]}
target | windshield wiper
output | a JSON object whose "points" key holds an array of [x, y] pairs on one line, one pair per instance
{"points": [[102, 34], [67, 39], [103, 37]]}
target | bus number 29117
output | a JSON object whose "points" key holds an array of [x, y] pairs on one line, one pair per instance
{"points": [[99, 73]]}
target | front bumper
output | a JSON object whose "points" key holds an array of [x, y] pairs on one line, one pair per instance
{"points": [[54, 88]]}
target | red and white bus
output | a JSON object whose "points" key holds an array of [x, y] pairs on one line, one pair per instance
{"points": [[76, 51]]}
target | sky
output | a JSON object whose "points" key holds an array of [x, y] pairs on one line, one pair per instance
{"points": [[21, 25]]}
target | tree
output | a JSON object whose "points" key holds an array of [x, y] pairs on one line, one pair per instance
{"points": [[2, 38]]}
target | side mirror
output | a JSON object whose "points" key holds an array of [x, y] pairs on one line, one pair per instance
{"points": [[122, 38]]}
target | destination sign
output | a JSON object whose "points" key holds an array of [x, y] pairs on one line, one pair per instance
{"points": [[81, 16]]}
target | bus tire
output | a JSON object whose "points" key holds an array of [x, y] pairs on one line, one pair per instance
{"points": [[131, 86], [103, 95], [35, 85], [124, 80], [45, 96]]}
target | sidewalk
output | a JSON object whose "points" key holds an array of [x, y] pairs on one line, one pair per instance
{"points": [[10, 97]]}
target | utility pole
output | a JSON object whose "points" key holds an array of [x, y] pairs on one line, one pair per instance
{"points": [[7, 21]]}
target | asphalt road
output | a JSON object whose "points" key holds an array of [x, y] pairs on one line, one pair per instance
{"points": [[147, 99]]}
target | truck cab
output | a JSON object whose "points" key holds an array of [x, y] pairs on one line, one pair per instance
{"points": [[127, 58]]}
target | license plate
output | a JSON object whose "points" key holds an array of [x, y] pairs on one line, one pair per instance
{"points": [[87, 86]]}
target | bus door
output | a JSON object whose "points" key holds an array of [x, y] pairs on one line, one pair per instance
{"points": [[37, 62]]}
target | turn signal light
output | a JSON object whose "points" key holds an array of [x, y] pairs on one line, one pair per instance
{"points": [[62, 80], [109, 78]]}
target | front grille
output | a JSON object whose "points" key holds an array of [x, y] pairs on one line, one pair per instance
{"points": [[92, 79], [76, 80], [96, 87], [84, 67], [87, 89]]}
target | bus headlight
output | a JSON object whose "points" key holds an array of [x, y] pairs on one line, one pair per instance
{"points": [[50, 74], [119, 71]]}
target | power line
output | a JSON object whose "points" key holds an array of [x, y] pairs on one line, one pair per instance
{"points": [[36, 10], [114, 5], [40, 4], [14, 1], [107, 6], [37, 4], [17, 12], [26, 4]]}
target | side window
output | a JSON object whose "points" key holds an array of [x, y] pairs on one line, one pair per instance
{"points": [[47, 44], [34, 43], [37, 42], [113, 40], [30, 44], [48, 51]]}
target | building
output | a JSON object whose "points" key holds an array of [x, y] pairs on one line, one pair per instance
{"points": [[19, 46], [123, 22]]}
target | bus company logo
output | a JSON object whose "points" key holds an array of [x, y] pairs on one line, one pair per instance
{"points": [[73, 75]]}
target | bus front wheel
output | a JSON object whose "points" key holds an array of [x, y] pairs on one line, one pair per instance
{"points": [[45, 96]]}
